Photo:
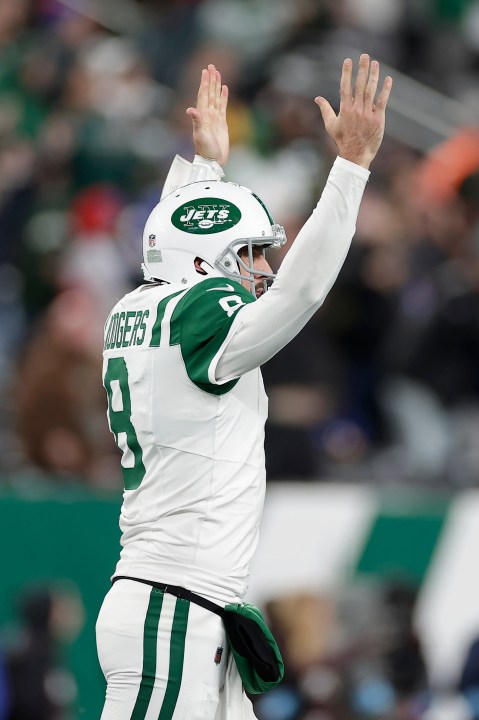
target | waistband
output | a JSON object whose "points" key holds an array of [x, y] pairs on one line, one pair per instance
{"points": [[179, 592]]}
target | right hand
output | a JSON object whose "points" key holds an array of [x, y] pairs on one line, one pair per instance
{"points": [[210, 129], [358, 128]]}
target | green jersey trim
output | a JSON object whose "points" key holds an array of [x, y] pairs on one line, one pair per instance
{"points": [[201, 323], [156, 331]]}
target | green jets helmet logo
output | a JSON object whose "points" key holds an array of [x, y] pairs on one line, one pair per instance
{"points": [[205, 216]]}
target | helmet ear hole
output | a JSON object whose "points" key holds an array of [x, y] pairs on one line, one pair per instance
{"points": [[198, 268]]}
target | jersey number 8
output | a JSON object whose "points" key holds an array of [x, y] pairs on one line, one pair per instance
{"points": [[120, 421]]}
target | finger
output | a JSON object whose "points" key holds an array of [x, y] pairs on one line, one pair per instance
{"points": [[327, 112], [372, 85], [195, 116], [362, 78], [211, 86], [383, 98], [345, 85], [218, 90], [224, 100], [202, 98]]}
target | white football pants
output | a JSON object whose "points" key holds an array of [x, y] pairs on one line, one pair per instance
{"points": [[165, 658]]}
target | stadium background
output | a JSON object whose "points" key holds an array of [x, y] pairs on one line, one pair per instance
{"points": [[367, 567]]}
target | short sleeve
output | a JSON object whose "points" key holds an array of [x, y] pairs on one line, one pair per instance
{"points": [[202, 324]]}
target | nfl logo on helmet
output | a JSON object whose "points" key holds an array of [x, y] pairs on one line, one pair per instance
{"points": [[152, 240]]}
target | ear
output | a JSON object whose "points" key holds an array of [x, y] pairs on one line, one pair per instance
{"points": [[198, 266]]}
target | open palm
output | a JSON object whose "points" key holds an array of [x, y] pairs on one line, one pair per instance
{"points": [[210, 129], [358, 128]]}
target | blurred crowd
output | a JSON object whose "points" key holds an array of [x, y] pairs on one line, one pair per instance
{"points": [[383, 383], [359, 656], [35, 680]]}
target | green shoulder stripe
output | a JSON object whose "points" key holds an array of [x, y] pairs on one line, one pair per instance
{"points": [[160, 313], [200, 324]]}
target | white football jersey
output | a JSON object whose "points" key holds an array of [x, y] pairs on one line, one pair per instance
{"points": [[193, 448]]}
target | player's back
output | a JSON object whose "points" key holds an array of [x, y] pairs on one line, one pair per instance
{"points": [[193, 460]]}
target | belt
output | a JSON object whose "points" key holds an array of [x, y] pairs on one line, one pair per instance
{"points": [[179, 592]]}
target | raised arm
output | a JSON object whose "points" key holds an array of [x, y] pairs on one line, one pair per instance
{"points": [[312, 264]]}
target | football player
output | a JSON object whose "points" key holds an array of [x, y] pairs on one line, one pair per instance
{"points": [[187, 407]]}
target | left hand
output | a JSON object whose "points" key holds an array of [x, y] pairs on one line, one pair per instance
{"points": [[358, 128], [210, 129]]}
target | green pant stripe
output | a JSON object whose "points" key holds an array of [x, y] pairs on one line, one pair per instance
{"points": [[150, 634], [177, 655]]}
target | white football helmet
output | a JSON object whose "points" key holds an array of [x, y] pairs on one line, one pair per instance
{"points": [[210, 220]]}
